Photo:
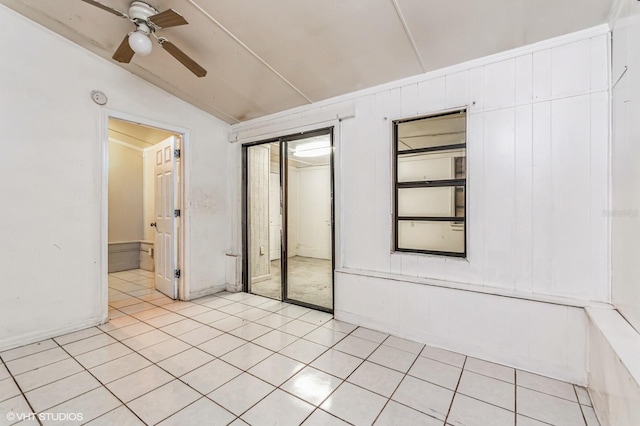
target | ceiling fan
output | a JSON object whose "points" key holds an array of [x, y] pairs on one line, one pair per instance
{"points": [[148, 20]]}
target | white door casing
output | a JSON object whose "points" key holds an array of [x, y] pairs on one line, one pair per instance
{"points": [[166, 241]]}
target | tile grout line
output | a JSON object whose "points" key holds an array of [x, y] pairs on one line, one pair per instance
{"points": [[584, 418], [4, 364], [317, 407], [103, 385], [219, 358], [515, 397], [275, 387], [455, 392], [399, 383], [298, 338], [316, 327], [178, 378]]}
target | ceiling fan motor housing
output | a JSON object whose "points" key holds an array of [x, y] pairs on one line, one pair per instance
{"points": [[139, 12]]}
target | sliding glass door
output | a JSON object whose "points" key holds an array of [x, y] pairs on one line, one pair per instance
{"points": [[288, 220]]}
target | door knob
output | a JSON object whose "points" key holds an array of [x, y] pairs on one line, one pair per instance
{"points": [[154, 225]]}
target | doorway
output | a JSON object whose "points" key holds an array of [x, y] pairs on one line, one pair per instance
{"points": [[143, 204], [288, 225]]}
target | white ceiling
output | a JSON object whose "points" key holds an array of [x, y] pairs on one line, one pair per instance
{"points": [[136, 134], [268, 56]]}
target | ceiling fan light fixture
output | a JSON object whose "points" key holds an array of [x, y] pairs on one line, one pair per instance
{"points": [[140, 43]]}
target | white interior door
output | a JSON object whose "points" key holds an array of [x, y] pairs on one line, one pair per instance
{"points": [[165, 189]]}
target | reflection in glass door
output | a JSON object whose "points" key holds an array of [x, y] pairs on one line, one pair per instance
{"points": [[309, 262], [288, 219], [264, 220]]}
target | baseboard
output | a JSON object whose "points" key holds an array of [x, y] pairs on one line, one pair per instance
{"points": [[37, 336], [312, 253], [614, 368], [207, 292], [543, 338]]}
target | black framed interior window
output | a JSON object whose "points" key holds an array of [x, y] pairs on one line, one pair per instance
{"points": [[430, 182]]}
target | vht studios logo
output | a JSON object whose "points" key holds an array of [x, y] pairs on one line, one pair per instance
{"points": [[51, 417]]}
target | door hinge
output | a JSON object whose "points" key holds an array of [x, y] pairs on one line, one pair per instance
{"points": [[176, 213], [176, 153], [176, 273]]}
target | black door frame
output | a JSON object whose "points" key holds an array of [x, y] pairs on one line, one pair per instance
{"points": [[284, 156]]}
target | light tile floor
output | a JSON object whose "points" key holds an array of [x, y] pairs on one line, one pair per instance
{"points": [[244, 359]]}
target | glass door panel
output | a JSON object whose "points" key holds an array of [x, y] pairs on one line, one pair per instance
{"points": [[309, 262], [264, 220]]}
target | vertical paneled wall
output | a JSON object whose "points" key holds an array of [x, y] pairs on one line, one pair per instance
{"points": [[538, 155], [625, 212]]}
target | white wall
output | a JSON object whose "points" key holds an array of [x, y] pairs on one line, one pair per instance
{"points": [[309, 207], [148, 194], [125, 193], [51, 177], [625, 211], [537, 148], [314, 212], [614, 368], [614, 343], [537, 160]]}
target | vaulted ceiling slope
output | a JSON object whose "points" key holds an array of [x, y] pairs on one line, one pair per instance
{"points": [[269, 56]]}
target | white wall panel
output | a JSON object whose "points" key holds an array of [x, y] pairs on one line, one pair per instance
{"points": [[599, 198], [410, 265], [624, 215], [476, 90], [457, 89], [396, 263], [599, 70], [541, 75], [386, 106], [472, 271], [570, 189], [544, 338], [523, 236], [409, 100], [570, 69], [541, 202], [431, 95], [499, 198], [432, 267], [358, 147], [524, 79], [614, 370], [499, 85]]}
